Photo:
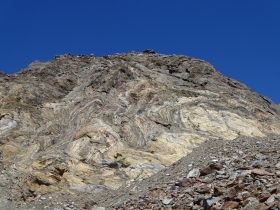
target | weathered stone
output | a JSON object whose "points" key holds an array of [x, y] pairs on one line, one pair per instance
{"points": [[89, 204], [230, 193], [231, 183], [262, 172], [202, 188], [252, 204], [185, 182], [264, 196], [230, 205], [194, 173], [167, 201], [270, 200], [218, 191], [205, 171], [207, 203]]}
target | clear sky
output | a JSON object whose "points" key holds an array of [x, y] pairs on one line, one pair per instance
{"points": [[241, 38]]}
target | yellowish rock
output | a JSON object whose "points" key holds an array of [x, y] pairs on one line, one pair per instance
{"points": [[73, 180], [9, 151]]}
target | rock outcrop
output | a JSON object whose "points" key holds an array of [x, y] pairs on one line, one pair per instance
{"points": [[239, 174], [85, 123]]}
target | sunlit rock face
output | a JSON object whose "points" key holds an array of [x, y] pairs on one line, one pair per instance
{"points": [[84, 122]]}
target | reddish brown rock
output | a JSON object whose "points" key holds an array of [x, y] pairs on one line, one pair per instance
{"points": [[261, 172], [218, 191], [207, 170], [203, 188], [231, 183], [231, 193], [230, 205], [185, 182], [264, 196]]}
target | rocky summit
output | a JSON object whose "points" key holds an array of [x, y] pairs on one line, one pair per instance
{"points": [[134, 131]]}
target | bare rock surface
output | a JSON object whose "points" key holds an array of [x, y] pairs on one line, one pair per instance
{"points": [[88, 132]]}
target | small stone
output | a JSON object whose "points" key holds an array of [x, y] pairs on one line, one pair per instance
{"points": [[193, 173], [264, 196], [181, 195], [167, 201], [272, 190], [239, 198], [203, 188], [251, 204], [262, 172], [245, 172], [240, 152], [216, 166], [231, 193], [185, 182], [208, 179], [222, 172], [207, 203], [231, 183], [256, 164], [262, 206], [277, 196], [89, 204], [222, 176], [205, 171], [278, 189], [98, 208], [218, 191], [270, 200], [230, 205]]}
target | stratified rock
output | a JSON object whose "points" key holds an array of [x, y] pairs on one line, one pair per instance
{"points": [[87, 124]]}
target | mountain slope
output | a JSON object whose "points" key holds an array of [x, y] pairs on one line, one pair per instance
{"points": [[85, 123]]}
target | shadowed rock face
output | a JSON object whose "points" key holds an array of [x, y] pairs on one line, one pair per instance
{"points": [[83, 123]]}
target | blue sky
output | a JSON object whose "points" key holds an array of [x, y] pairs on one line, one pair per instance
{"points": [[241, 38]]}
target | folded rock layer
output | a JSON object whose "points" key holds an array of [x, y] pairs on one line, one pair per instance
{"points": [[84, 122]]}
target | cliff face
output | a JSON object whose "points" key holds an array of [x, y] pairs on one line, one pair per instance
{"points": [[84, 122]]}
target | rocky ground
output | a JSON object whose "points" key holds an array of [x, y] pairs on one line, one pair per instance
{"points": [[239, 174]]}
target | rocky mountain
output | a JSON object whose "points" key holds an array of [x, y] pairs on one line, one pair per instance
{"points": [[85, 124]]}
